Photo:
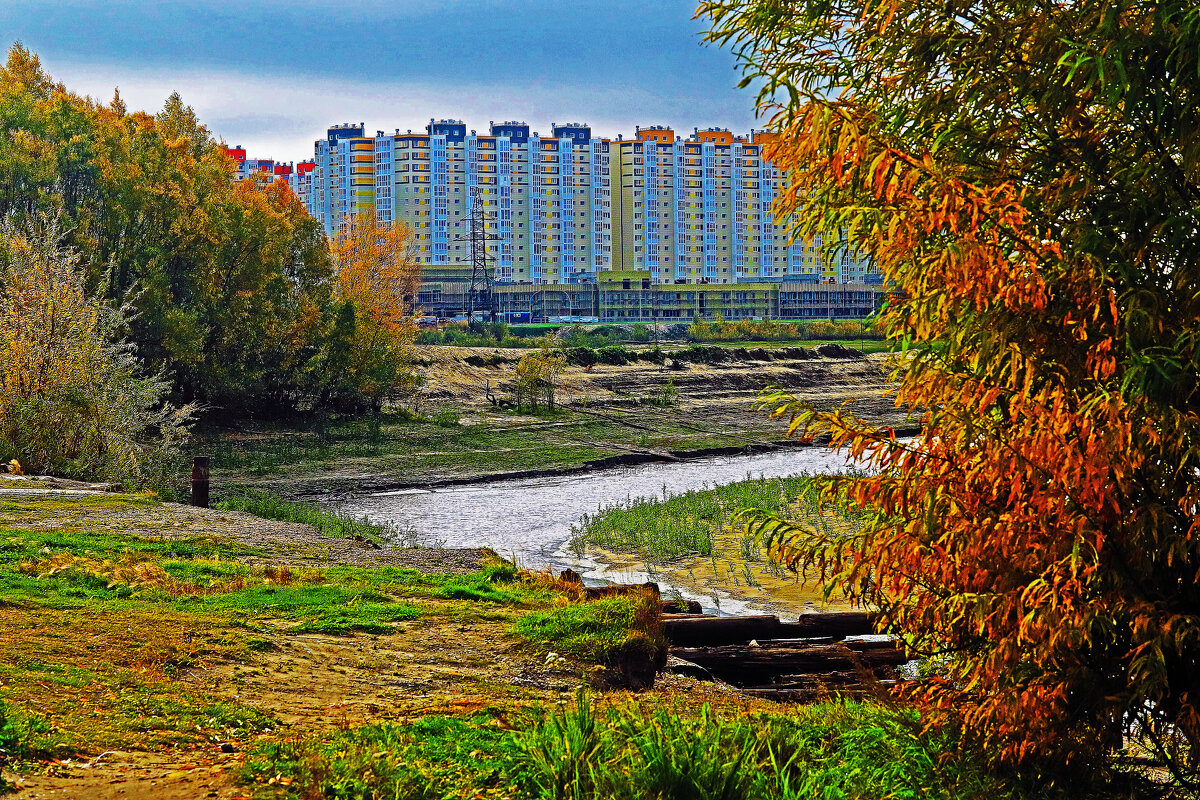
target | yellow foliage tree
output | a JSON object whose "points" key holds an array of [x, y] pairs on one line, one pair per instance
{"points": [[377, 280], [537, 376], [74, 400]]}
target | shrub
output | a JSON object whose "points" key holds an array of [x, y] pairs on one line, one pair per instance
{"points": [[74, 399], [582, 357], [613, 354], [446, 418]]}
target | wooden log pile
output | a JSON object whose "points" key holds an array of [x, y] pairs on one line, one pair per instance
{"points": [[790, 661], [764, 657]]}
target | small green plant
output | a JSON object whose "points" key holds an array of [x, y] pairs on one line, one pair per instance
{"points": [[595, 631], [447, 418], [666, 396]]}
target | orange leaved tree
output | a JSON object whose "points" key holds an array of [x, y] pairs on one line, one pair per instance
{"points": [[1027, 177], [378, 276]]}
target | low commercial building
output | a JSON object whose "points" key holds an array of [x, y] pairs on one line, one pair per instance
{"points": [[634, 296]]}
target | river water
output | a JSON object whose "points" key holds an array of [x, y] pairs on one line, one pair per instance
{"points": [[531, 518]]}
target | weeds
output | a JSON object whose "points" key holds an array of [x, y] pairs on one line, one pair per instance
{"points": [[447, 418], [667, 751], [329, 522], [436, 757], [838, 750], [677, 526]]}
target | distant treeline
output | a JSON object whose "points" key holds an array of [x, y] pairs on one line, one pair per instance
{"points": [[230, 285]]}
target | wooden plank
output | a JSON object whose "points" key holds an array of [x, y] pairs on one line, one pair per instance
{"points": [[712, 631]]}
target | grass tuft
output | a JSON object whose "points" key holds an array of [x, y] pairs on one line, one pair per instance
{"points": [[669, 751], [596, 631], [329, 522]]}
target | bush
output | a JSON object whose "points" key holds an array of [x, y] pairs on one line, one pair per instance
{"points": [[74, 399], [613, 354], [654, 356], [582, 357], [594, 631], [446, 418]]}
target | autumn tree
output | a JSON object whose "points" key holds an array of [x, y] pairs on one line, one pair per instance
{"points": [[537, 377], [1027, 177], [378, 276], [74, 399], [231, 281]]}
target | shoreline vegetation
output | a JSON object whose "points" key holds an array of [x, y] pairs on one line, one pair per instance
{"points": [[245, 656], [459, 426], [694, 541]]}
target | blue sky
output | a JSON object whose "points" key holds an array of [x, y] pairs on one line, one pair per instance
{"points": [[272, 75]]}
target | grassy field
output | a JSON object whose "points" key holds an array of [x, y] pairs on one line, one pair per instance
{"points": [[162, 648], [98, 630], [418, 449]]}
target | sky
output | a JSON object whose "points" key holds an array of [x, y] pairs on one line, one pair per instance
{"points": [[273, 75]]}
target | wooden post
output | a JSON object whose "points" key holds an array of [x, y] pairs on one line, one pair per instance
{"points": [[200, 481]]}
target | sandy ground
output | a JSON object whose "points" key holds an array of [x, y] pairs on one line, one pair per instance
{"points": [[726, 392]]}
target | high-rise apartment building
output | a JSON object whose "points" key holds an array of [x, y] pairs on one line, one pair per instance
{"points": [[267, 169], [700, 209], [563, 208], [343, 182], [546, 199]]}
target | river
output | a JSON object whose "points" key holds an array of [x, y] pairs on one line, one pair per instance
{"points": [[530, 519]]}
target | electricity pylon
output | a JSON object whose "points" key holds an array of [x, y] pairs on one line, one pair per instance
{"points": [[477, 236]]}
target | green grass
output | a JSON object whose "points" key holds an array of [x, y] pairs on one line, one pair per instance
{"points": [[683, 525], [631, 751], [433, 758], [81, 570], [833, 750], [98, 628], [589, 631], [329, 522], [406, 448]]}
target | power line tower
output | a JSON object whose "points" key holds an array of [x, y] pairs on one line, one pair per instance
{"points": [[480, 289]]}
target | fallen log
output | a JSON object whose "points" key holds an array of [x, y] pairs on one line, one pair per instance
{"points": [[717, 631], [832, 623], [749, 665], [808, 695], [830, 680]]}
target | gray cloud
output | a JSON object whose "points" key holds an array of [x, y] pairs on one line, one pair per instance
{"points": [[280, 117]]}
